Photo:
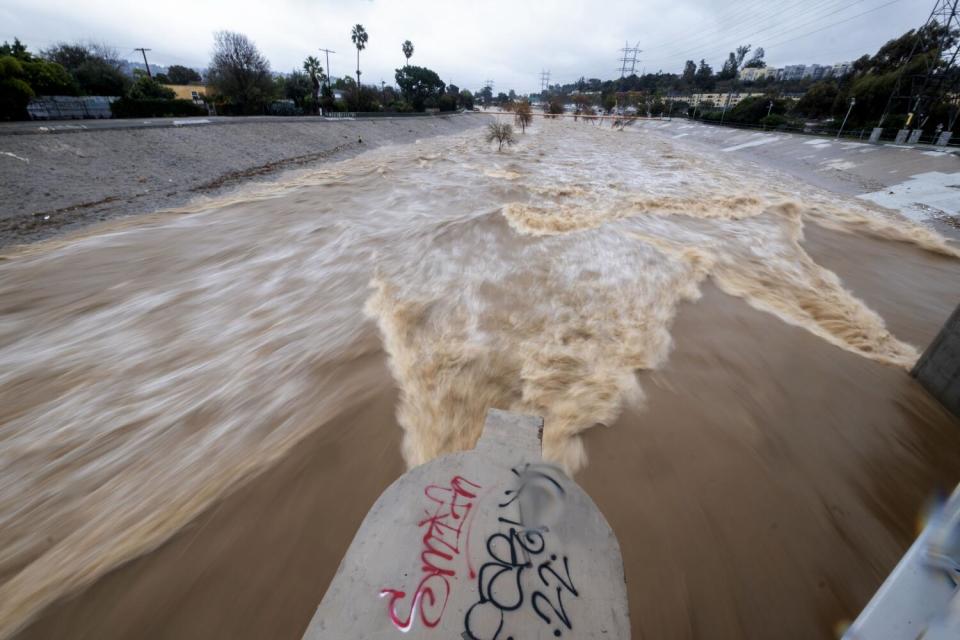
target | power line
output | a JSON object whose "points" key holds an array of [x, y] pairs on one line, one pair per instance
{"points": [[778, 12], [751, 34], [719, 52]]}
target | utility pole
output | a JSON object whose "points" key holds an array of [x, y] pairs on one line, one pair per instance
{"points": [[853, 101], [147, 64], [328, 52], [383, 90]]}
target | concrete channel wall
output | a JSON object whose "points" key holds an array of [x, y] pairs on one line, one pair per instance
{"points": [[938, 370], [484, 544]]}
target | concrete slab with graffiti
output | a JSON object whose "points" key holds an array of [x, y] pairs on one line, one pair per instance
{"points": [[488, 544]]}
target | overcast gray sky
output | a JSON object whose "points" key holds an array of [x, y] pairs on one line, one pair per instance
{"points": [[467, 42]]}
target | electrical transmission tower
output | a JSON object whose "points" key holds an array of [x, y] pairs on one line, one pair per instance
{"points": [[629, 57], [919, 93], [544, 81]]}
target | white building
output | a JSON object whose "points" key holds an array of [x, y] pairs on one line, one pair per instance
{"points": [[753, 74], [720, 99], [794, 71]]}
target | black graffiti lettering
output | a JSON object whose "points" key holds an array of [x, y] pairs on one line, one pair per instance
{"points": [[561, 613], [548, 566], [510, 552]]}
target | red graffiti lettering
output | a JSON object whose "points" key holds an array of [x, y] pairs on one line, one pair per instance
{"points": [[445, 527]]}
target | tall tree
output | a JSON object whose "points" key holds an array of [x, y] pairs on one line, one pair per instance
{"points": [[756, 60], [742, 52], [704, 77], [95, 67], [407, 47], [359, 37], [179, 74], [239, 72], [420, 86], [312, 66], [689, 71]]}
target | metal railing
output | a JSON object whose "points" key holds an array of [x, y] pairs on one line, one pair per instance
{"points": [[863, 133]]}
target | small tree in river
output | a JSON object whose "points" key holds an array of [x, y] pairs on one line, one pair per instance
{"points": [[501, 133], [523, 115]]}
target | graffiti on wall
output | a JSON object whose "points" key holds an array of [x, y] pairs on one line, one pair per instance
{"points": [[522, 573], [447, 523]]}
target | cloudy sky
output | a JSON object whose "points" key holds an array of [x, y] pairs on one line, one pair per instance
{"points": [[470, 41]]}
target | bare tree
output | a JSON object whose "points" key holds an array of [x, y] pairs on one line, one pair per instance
{"points": [[500, 132], [239, 72], [523, 115]]}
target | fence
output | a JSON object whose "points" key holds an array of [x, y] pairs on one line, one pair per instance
{"points": [[865, 134], [386, 114], [70, 107]]}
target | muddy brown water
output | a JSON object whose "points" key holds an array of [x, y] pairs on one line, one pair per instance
{"points": [[199, 409]]}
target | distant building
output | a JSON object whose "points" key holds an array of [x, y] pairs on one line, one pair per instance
{"points": [[753, 74], [195, 92], [816, 71], [810, 71], [794, 71], [721, 99], [840, 69]]}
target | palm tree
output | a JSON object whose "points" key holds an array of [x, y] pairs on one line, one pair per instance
{"points": [[312, 66], [407, 50], [359, 37]]}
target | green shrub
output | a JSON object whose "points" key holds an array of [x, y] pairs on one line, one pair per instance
{"points": [[15, 92], [774, 121]]}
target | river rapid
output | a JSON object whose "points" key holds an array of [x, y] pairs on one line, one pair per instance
{"points": [[149, 366]]}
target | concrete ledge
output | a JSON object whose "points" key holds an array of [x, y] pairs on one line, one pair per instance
{"points": [[489, 543], [938, 369]]}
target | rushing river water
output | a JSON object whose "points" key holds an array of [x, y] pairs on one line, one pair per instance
{"points": [[149, 366]]}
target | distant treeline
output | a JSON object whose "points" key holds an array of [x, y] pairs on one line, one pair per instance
{"points": [[239, 81], [870, 80]]}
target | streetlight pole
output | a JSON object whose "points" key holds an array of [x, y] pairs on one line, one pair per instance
{"points": [[853, 101]]}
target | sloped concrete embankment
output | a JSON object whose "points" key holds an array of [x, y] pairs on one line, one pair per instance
{"points": [[56, 181]]}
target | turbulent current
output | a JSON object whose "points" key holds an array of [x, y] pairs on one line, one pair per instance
{"points": [[148, 366]]}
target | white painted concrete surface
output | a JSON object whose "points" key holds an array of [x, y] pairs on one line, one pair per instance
{"points": [[485, 544]]}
